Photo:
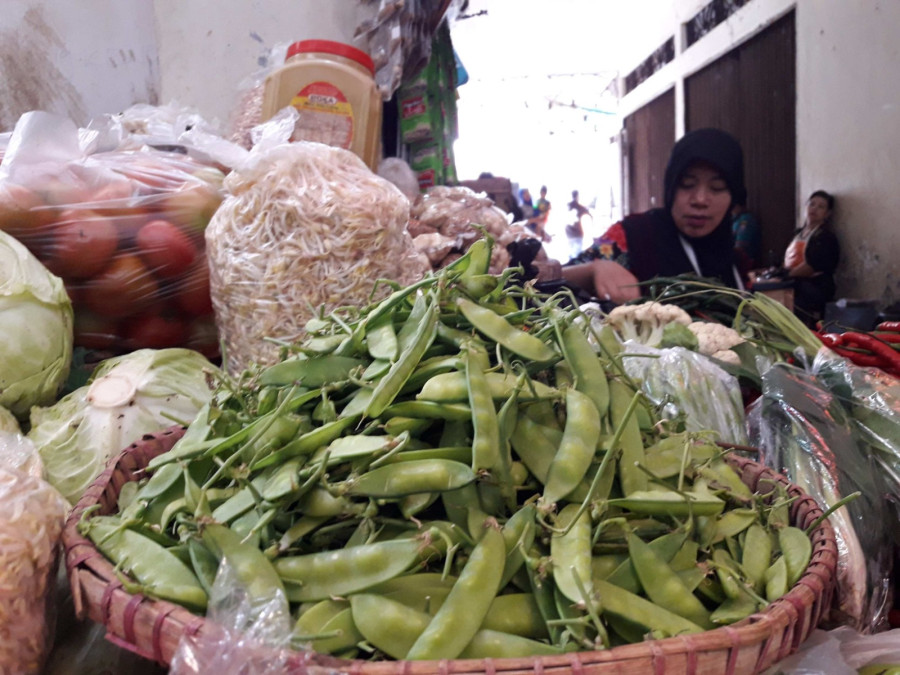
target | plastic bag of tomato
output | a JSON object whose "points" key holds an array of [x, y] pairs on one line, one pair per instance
{"points": [[125, 232]]}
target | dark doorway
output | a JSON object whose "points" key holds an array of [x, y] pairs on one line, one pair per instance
{"points": [[649, 136], [751, 93]]}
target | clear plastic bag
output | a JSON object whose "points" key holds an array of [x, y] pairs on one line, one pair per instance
{"points": [[688, 385], [804, 432], [241, 636], [305, 226], [30, 528], [123, 229], [841, 651]]}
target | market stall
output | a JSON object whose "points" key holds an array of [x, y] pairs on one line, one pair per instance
{"points": [[261, 409]]}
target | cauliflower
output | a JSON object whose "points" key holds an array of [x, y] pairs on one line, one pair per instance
{"points": [[646, 322], [716, 340]]}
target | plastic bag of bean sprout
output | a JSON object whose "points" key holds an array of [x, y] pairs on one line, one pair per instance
{"points": [[688, 386], [123, 229], [304, 227], [803, 431], [30, 528]]}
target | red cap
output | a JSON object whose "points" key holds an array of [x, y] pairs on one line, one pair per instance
{"points": [[336, 48]]}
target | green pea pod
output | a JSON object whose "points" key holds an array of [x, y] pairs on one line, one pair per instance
{"points": [[642, 612], [347, 448], [665, 502], [160, 482], [686, 558], [242, 501], [479, 285], [461, 454], [313, 372], [413, 426], [486, 427], [662, 585], [776, 579], [376, 369], [325, 574], [733, 522], [478, 258], [757, 556], [693, 577], [602, 566], [796, 548], [576, 449], [542, 592], [424, 591], [453, 388], [158, 571], [498, 329], [570, 553], [284, 482], [631, 477], [665, 546], [320, 503], [457, 504], [252, 569], [590, 378], [458, 619], [313, 619], [518, 534], [533, 444], [307, 443], [492, 644], [429, 410], [339, 634], [390, 384], [204, 564], [381, 340], [516, 614], [386, 624], [733, 610], [412, 505], [729, 575], [404, 478], [720, 473]]}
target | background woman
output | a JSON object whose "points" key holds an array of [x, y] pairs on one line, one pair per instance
{"points": [[691, 235], [812, 257]]}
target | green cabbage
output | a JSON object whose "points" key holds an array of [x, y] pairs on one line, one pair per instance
{"points": [[127, 396], [35, 330]]}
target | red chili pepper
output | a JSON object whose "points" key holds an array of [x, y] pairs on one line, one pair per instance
{"points": [[860, 358], [893, 326], [887, 336], [831, 339], [890, 357]]}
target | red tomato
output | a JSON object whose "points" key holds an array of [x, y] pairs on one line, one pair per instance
{"points": [[192, 205], [165, 248], [192, 290], [124, 288], [83, 244], [22, 215], [155, 331]]}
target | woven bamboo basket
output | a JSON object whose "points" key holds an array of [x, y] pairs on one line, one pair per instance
{"points": [[153, 628]]}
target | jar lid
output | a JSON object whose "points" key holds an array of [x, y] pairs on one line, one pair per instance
{"points": [[336, 48]]}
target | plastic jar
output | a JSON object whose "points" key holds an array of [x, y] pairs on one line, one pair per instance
{"points": [[332, 86]]}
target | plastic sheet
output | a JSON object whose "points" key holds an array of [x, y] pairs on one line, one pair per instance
{"points": [[123, 229], [804, 432], [689, 386], [842, 651]]}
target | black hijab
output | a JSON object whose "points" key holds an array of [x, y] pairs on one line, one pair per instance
{"points": [[655, 244]]}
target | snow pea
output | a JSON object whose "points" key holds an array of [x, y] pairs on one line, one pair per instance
{"points": [[452, 388], [158, 571], [670, 503], [622, 404], [492, 644], [518, 535], [386, 624], [489, 323], [516, 614], [636, 609], [662, 585], [429, 410], [776, 579], [796, 548], [733, 610], [325, 574], [307, 443], [338, 634], [665, 547], [381, 339], [314, 371], [252, 569], [485, 426], [390, 384], [720, 473], [733, 522], [459, 453], [535, 445], [313, 618], [570, 553], [757, 556], [458, 619], [590, 378], [576, 449], [411, 505], [204, 564], [404, 478]]}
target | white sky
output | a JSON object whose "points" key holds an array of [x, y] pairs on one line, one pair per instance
{"points": [[536, 109]]}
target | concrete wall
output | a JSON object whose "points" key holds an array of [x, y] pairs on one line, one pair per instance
{"points": [[848, 100], [79, 59]]}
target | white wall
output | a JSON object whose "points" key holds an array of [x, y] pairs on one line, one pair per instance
{"points": [[210, 49], [79, 59], [848, 101]]}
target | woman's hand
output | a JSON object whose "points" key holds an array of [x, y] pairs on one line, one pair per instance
{"points": [[604, 279]]}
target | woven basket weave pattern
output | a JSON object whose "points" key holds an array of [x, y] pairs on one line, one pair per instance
{"points": [[153, 628]]}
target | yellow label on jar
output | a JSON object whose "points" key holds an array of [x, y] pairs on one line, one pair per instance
{"points": [[325, 115]]}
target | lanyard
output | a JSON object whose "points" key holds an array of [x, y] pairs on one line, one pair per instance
{"points": [[692, 257]]}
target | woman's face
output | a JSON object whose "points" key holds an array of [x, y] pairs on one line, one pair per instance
{"points": [[817, 211], [702, 200]]}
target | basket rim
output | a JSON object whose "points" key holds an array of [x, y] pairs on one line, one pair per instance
{"points": [[87, 567]]}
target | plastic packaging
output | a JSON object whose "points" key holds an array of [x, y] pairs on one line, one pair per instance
{"points": [[123, 229], [689, 386], [331, 85], [804, 432], [304, 226], [32, 522], [842, 651]]}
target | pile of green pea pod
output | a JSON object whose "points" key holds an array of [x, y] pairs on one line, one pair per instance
{"points": [[454, 472]]}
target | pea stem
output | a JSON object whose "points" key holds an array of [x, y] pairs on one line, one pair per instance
{"points": [[831, 509]]}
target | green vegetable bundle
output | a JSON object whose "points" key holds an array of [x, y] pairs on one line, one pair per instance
{"points": [[454, 472]]}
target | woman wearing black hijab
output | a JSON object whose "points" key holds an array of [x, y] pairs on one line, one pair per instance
{"points": [[691, 235]]}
